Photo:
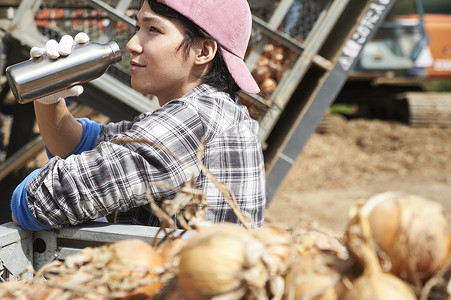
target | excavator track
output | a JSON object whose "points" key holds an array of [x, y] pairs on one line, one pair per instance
{"points": [[427, 108]]}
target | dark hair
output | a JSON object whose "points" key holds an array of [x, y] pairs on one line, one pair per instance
{"points": [[218, 75]]}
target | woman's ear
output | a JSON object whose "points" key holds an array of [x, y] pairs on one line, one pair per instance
{"points": [[206, 51]]}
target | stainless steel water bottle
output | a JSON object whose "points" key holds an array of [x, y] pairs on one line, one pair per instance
{"points": [[38, 77]]}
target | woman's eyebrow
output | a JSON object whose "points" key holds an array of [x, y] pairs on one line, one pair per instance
{"points": [[149, 19]]}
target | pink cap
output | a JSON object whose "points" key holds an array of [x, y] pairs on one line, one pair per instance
{"points": [[229, 22]]}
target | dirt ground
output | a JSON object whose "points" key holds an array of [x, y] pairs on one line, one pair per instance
{"points": [[354, 160]]}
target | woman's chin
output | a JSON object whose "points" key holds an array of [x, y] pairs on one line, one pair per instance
{"points": [[138, 87]]}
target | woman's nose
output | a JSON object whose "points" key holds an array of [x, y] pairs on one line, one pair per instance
{"points": [[133, 45]]}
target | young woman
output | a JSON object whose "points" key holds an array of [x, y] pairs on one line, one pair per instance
{"points": [[189, 54]]}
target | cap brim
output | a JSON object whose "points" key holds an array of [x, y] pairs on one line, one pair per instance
{"points": [[240, 73]]}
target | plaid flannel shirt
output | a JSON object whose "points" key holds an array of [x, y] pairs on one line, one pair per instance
{"points": [[114, 177]]}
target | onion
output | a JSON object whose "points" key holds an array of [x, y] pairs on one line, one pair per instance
{"points": [[411, 231], [279, 56], [171, 291], [263, 61], [170, 252], [379, 286], [45, 291], [260, 73], [222, 259], [135, 256], [373, 283], [321, 263], [268, 50], [175, 294], [268, 86], [281, 255], [279, 246], [314, 276], [321, 242]]}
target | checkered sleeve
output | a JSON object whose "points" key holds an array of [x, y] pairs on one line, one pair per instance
{"points": [[115, 176]]}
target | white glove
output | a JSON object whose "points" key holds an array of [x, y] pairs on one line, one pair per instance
{"points": [[53, 49]]}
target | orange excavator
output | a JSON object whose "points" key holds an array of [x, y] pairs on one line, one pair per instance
{"points": [[413, 40], [406, 61]]}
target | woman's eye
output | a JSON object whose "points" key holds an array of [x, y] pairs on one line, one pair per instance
{"points": [[154, 29], [136, 28]]}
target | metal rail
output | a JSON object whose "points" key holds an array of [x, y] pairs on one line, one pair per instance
{"points": [[21, 249]]}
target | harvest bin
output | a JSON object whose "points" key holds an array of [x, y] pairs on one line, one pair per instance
{"points": [[21, 249]]}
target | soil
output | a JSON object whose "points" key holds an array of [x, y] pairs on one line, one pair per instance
{"points": [[354, 160]]}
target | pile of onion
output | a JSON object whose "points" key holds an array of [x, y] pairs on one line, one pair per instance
{"points": [[410, 233], [271, 66], [393, 242]]}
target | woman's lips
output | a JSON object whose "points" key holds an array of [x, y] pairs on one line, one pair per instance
{"points": [[135, 66]]}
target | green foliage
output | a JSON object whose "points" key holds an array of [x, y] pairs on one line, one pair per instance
{"points": [[343, 109], [440, 86]]}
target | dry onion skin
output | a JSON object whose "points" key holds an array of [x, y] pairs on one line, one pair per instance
{"points": [[314, 241], [373, 283], [410, 232], [127, 269], [321, 264], [170, 252], [280, 247], [281, 255], [222, 260], [9, 289], [128, 261]]}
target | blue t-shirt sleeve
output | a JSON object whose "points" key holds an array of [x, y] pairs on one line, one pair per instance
{"points": [[91, 131], [19, 206]]}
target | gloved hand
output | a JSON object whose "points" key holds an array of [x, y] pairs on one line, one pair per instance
{"points": [[53, 49]]}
